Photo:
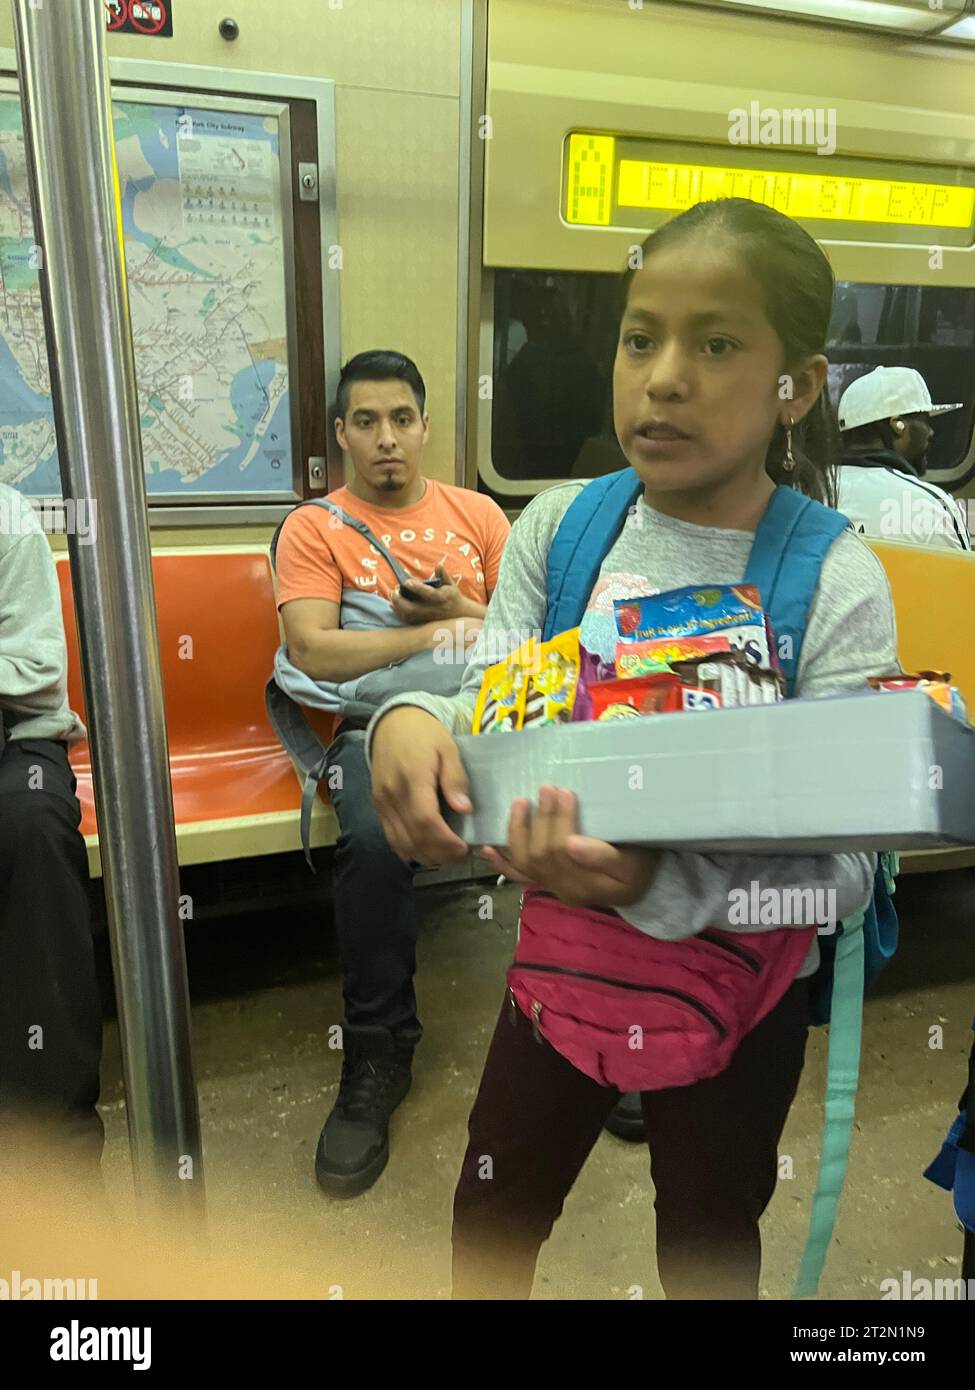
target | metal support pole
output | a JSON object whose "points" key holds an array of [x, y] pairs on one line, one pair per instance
{"points": [[76, 202]]}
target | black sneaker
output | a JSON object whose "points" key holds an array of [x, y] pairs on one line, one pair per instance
{"points": [[626, 1117], [353, 1147]]}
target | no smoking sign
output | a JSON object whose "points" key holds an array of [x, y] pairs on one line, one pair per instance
{"points": [[152, 18]]}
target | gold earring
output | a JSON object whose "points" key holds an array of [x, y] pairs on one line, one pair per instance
{"points": [[790, 462]]}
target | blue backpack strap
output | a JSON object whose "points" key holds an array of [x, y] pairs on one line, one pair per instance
{"points": [[586, 533], [842, 1073], [802, 530]]}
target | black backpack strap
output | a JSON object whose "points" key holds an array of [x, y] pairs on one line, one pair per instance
{"points": [[401, 574]]}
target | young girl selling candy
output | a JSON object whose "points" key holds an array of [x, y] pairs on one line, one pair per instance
{"points": [[732, 300]]}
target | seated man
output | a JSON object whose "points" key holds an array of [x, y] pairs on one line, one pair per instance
{"points": [[885, 420], [437, 531], [50, 1010]]}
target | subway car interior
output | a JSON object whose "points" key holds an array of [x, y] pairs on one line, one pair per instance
{"points": [[395, 264]]}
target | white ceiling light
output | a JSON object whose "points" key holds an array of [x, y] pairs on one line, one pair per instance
{"points": [[899, 16], [964, 29]]}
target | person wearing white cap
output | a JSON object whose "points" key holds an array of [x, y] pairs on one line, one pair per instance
{"points": [[885, 422]]}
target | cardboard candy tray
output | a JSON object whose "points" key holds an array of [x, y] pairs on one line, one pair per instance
{"points": [[868, 771]]}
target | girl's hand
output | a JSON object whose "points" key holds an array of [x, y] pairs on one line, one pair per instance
{"points": [[414, 763], [544, 849]]}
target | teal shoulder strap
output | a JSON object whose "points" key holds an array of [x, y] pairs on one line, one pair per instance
{"points": [[842, 1074], [584, 537], [787, 554], [862, 946]]}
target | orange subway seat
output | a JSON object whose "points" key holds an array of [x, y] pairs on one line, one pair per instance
{"points": [[218, 632]]}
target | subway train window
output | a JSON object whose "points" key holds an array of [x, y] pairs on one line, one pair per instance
{"points": [[555, 339], [929, 328]]}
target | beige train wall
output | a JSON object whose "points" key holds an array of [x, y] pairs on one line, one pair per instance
{"points": [[396, 66]]}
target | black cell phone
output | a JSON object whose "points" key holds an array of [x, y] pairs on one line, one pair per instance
{"points": [[430, 583]]}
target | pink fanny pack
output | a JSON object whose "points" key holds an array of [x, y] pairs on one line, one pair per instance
{"points": [[641, 1014]]}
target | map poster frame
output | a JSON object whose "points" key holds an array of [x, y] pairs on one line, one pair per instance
{"points": [[263, 95]]}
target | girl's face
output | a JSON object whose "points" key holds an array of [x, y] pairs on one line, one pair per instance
{"points": [[698, 373]]}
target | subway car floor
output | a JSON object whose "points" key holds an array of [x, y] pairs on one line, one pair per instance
{"points": [[266, 989]]}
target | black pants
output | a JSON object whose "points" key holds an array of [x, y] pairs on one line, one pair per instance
{"points": [[713, 1151], [375, 915], [50, 1010]]}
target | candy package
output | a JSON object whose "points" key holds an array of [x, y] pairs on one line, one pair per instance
{"points": [[730, 674], [629, 696], [500, 704], [733, 610], [552, 681], [937, 684], [592, 669], [643, 658], [661, 693]]}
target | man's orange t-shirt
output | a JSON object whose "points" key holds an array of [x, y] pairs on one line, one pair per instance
{"points": [[316, 558]]}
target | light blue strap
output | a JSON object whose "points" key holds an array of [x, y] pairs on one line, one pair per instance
{"points": [[401, 574], [843, 1067], [308, 793]]}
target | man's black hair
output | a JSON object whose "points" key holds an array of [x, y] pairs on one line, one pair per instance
{"points": [[379, 364]]}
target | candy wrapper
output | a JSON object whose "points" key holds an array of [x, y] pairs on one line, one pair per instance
{"points": [[627, 697], [533, 687], [937, 684], [733, 610], [733, 678], [713, 680], [593, 669], [661, 693], [552, 681], [643, 658], [500, 704]]}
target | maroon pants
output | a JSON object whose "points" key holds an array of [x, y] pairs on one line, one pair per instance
{"points": [[713, 1158]]}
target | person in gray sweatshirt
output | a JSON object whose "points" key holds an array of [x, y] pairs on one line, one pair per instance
{"points": [[719, 396], [50, 1010]]}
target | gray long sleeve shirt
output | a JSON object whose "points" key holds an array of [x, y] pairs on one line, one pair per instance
{"points": [[33, 656], [850, 635]]}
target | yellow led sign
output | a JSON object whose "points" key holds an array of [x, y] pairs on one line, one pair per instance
{"points": [[590, 193], [825, 197]]}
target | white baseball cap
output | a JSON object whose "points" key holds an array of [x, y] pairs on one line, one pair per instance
{"points": [[884, 393]]}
